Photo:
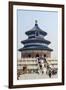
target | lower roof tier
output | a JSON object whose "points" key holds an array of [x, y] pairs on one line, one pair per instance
{"points": [[35, 40], [36, 47]]}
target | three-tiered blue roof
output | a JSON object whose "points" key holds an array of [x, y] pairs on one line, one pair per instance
{"points": [[35, 39]]}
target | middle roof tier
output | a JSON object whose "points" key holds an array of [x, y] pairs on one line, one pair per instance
{"points": [[35, 40]]}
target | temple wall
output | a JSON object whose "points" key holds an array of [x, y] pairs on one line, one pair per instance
{"points": [[34, 53]]}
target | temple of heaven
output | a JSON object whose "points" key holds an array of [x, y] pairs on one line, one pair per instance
{"points": [[35, 45]]}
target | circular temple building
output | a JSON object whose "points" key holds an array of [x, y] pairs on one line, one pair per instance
{"points": [[36, 45]]}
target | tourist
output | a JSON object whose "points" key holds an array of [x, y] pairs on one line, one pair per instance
{"points": [[50, 73]]}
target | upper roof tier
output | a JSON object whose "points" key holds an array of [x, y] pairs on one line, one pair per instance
{"points": [[34, 29]]}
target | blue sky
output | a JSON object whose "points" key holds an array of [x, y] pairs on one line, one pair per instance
{"points": [[47, 21]]}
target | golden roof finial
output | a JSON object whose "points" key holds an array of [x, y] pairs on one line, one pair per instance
{"points": [[36, 21]]}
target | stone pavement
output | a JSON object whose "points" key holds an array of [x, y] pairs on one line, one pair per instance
{"points": [[35, 76]]}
